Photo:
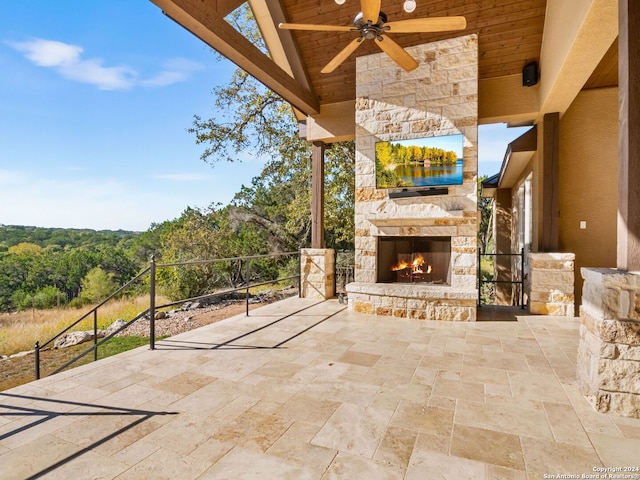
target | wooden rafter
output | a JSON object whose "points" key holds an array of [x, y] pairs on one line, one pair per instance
{"points": [[202, 19]]}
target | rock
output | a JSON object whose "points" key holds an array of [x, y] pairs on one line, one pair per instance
{"points": [[195, 305], [160, 315], [116, 325], [21, 354], [75, 338]]}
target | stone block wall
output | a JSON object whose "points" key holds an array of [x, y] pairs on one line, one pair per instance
{"points": [[608, 364], [439, 98], [550, 286], [317, 270]]}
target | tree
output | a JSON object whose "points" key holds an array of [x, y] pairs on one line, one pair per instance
{"points": [[97, 285], [26, 248], [257, 121], [485, 207]]}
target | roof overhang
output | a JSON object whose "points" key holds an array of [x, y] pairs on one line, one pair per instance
{"points": [[517, 157]]}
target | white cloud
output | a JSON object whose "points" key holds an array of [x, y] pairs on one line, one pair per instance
{"points": [[49, 53], [182, 177], [174, 71], [67, 60]]}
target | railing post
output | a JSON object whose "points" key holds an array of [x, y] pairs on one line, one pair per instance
{"points": [[247, 280], [152, 303], [300, 273], [479, 278], [95, 335], [522, 278], [36, 354]]}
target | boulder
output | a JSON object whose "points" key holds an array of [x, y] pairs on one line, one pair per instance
{"points": [[75, 338], [116, 325]]}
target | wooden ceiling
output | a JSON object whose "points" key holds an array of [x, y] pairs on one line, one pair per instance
{"points": [[509, 32], [510, 35]]}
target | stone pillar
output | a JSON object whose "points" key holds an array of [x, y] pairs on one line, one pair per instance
{"points": [[317, 270], [551, 284], [608, 365]]}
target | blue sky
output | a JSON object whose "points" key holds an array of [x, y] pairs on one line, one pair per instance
{"points": [[95, 100]]}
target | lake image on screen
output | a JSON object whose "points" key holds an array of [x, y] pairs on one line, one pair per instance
{"points": [[423, 162]]}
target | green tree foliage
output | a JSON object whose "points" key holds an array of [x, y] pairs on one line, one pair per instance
{"points": [[26, 248], [11, 235], [36, 271], [485, 230], [258, 122], [97, 285], [46, 297]]}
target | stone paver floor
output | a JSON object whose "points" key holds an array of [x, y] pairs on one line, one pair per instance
{"points": [[303, 389]]}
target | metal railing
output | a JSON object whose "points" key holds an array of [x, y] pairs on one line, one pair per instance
{"points": [[519, 282], [344, 273], [150, 313]]}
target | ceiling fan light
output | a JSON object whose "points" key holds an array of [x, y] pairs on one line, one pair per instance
{"points": [[340, 2], [409, 6]]}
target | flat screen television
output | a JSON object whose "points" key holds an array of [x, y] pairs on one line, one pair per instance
{"points": [[419, 162]]}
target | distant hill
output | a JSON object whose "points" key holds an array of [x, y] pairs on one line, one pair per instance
{"points": [[11, 235]]}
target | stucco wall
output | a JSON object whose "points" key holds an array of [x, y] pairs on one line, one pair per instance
{"points": [[588, 180]]}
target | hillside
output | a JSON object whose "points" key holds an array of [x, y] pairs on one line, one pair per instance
{"points": [[11, 235]]}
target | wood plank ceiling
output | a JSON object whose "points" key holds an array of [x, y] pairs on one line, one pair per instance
{"points": [[509, 32]]}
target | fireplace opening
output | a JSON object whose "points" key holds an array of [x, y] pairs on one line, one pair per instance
{"points": [[414, 260]]}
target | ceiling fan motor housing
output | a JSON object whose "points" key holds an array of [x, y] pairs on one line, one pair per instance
{"points": [[370, 30]]}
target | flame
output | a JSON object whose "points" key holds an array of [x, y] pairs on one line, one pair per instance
{"points": [[415, 265], [401, 265]]}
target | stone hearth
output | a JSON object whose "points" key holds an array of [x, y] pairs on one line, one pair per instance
{"points": [[439, 98]]}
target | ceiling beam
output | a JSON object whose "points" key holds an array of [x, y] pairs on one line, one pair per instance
{"points": [[577, 35], [280, 43], [202, 19], [225, 7]]}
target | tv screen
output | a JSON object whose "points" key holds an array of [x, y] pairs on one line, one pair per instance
{"points": [[419, 162]]}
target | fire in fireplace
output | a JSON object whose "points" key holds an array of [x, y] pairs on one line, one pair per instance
{"points": [[414, 260]]}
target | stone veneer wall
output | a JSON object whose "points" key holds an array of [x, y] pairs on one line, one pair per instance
{"points": [[439, 98], [317, 273], [608, 365], [550, 286]]}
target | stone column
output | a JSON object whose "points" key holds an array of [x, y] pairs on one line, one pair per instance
{"points": [[608, 365], [317, 270], [551, 284]]}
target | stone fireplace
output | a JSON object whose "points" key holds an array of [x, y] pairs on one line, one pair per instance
{"points": [[416, 249]]}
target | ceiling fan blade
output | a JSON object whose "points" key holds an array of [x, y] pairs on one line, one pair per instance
{"points": [[425, 25], [397, 53], [342, 56], [319, 28], [370, 10]]}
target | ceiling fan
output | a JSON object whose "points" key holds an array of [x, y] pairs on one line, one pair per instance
{"points": [[372, 24]]}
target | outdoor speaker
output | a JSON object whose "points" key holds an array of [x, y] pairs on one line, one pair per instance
{"points": [[530, 74]]}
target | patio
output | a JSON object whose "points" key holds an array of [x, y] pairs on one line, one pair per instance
{"points": [[305, 389]]}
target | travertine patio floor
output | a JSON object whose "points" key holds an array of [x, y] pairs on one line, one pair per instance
{"points": [[307, 390]]}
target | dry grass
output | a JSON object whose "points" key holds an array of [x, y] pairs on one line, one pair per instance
{"points": [[19, 331]]}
